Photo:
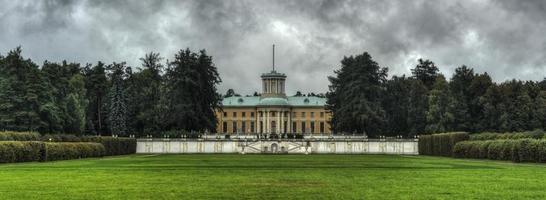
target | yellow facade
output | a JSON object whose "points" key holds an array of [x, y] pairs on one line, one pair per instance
{"points": [[273, 111], [234, 120]]}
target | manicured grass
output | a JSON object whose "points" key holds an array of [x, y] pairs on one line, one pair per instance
{"points": [[272, 177]]}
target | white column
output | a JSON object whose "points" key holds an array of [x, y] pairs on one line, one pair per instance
{"points": [[266, 121], [278, 122], [282, 122], [257, 122]]}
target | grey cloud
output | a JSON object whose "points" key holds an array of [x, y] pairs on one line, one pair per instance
{"points": [[504, 38]]}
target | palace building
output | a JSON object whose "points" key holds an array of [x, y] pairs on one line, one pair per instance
{"points": [[273, 111]]}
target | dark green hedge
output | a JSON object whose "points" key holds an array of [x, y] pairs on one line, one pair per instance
{"points": [[115, 146], [440, 144], [72, 150], [28, 151], [17, 151], [521, 150], [19, 136], [536, 134]]}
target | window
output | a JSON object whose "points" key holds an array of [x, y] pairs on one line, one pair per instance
{"points": [[312, 114], [224, 127], [302, 114], [285, 114], [261, 127], [243, 127], [321, 114], [251, 114], [225, 114], [234, 127], [312, 127], [252, 127], [321, 127], [303, 127], [261, 114], [285, 127], [244, 114], [294, 114], [294, 130], [273, 114], [234, 114]]}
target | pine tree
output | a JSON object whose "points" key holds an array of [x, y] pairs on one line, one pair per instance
{"points": [[118, 108], [355, 96], [439, 119]]}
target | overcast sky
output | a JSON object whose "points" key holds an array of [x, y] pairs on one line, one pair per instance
{"points": [[505, 38]]}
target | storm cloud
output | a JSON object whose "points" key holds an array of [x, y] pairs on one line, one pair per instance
{"points": [[505, 38]]}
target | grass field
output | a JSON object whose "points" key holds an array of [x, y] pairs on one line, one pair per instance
{"points": [[272, 177]]}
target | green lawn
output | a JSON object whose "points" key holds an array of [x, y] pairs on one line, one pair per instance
{"points": [[272, 177]]}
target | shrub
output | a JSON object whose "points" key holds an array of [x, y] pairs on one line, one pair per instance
{"points": [[61, 138], [521, 150], [114, 145], [20, 151], [19, 136], [72, 150], [536, 134], [440, 144]]}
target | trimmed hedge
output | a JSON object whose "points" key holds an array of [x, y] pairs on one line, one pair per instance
{"points": [[19, 136], [440, 144], [61, 138], [72, 150], [536, 134], [115, 146], [17, 151], [28, 151], [521, 150]]}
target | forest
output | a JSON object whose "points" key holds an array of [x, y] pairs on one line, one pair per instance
{"points": [[109, 99], [180, 94], [363, 99]]}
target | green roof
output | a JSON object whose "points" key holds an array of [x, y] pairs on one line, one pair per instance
{"points": [[274, 101]]}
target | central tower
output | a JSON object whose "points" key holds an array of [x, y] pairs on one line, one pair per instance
{"points": [[273, 82]]}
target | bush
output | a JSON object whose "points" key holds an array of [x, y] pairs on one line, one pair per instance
{"points": [[440, 144], [114, 145], [521, 150], [20, 151], [536, 134], [72, 150], [19, 136], [61, 138]]}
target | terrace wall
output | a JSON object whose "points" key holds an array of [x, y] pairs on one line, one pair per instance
{"points": [[346, 146]]}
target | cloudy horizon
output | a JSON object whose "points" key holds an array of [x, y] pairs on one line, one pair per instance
{"points": [[504, 38]]}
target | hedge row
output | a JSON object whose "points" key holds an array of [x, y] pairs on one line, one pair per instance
{"points": [[115, 146], [521, 150], [72, 150], [440, 144], [19, 136], [27, 151], [536, 134]]}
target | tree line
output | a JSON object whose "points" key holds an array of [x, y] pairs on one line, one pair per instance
{"points": [[103, 99], [363, 99]]}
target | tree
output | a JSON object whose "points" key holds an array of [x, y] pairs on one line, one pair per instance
{"points": [[231, 93], [425, 71], [355, 96], [191, 92], [26, 95], [439, 119], [76, 105], [396, 103], [118, 108], [460, 86], [417, 107], [298, 94], [97, 86], [144, 93]]}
